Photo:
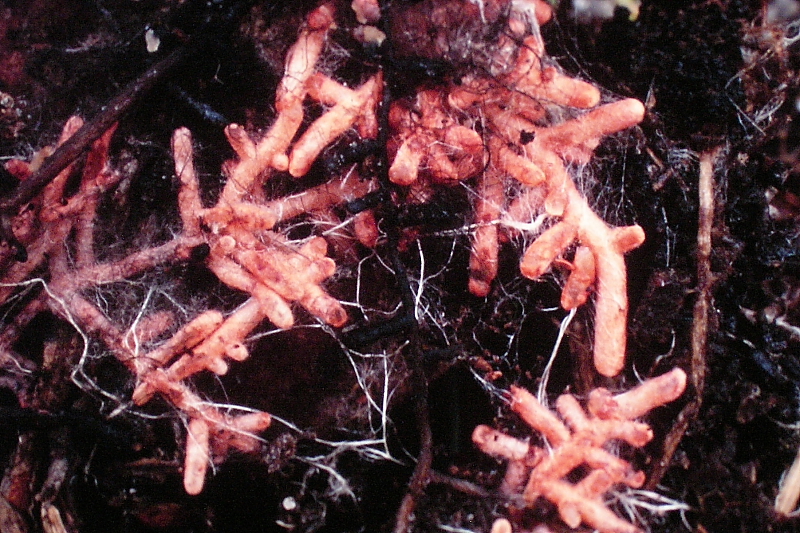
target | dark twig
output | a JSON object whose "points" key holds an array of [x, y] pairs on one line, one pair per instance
{"points": [[76, 145], [91, 131], [419, 383], [112, 112], [422, 472]]}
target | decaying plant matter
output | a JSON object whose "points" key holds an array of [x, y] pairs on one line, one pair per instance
{"points": [[540, 471]]}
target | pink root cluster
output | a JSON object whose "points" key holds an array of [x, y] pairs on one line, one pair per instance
{"points": [[580, 440], [245, 252], [496, 128]]}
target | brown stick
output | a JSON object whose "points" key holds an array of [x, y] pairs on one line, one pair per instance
{"points": [[700, 318], [422, 471]]}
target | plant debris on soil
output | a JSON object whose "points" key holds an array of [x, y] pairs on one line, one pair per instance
{"points": [[719, 80]]}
